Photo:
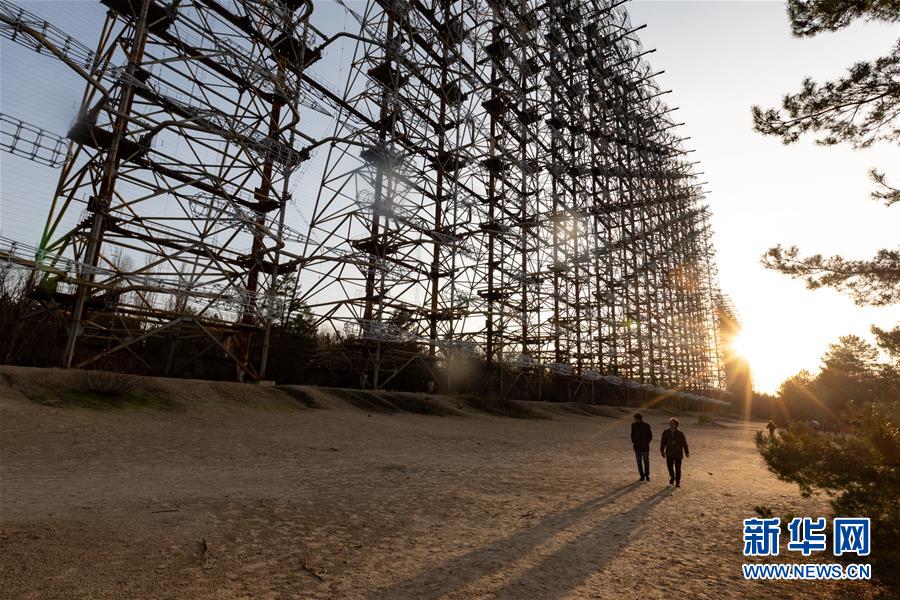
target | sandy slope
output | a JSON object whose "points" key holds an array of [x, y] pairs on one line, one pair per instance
{"points": [[243, 494]]}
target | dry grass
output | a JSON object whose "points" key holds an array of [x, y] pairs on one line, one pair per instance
{"points": [[97, 390], [105, 383], [301, 396], [504, 407], [395, 402]]}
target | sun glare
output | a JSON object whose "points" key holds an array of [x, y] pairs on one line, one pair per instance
{"points": [[760, 355], [742, 345], [772, 358]]}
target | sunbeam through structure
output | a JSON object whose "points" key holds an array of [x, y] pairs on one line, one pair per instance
{"points": [[503, 185]]}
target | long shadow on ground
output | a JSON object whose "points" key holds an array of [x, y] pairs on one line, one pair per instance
{"points": [[587, 554], [496, 555]]}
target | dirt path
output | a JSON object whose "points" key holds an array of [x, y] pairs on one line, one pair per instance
{"points": [[227, 500]]}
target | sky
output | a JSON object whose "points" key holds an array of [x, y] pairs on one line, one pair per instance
{"points": [[719, 59]]}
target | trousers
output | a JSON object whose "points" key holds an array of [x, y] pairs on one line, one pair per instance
{"points": [[674, 465], [643, 462]]}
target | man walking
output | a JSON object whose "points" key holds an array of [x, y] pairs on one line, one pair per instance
{"points": [[673, 446], [641, 435]]}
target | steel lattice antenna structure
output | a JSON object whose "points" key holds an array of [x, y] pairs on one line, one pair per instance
{"points": [[503, 184], [506, 182], [182, 153]]}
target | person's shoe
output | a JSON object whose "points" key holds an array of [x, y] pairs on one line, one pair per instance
{"points": [[677, 484], [648, 478], [671, 480], [642, 477]]}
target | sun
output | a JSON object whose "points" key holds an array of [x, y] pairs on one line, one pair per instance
{"points": [[743, 345], [771, 358], [764, 360]]}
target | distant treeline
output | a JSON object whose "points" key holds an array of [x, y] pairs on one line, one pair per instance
{"points": [[854, 373]]}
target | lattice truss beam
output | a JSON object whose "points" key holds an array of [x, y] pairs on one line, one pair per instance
{"points": [[180, 161], [503, 181]]}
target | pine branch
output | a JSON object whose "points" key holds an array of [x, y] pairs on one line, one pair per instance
{"points": [[888, 340], [887, 194], [873, 282], [809, 17], [860, 108]]}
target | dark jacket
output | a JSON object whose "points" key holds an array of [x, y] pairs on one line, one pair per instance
{"points": [[673, 443], [641, 436]]}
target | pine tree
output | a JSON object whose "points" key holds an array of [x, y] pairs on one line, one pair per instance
{"points": [[860, 108], [859, 466]]}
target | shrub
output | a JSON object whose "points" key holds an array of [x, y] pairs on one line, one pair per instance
{"points": [[859, 470], [105, 383]]}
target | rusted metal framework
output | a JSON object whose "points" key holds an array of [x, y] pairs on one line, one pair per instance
{"points": [[503, 183]]}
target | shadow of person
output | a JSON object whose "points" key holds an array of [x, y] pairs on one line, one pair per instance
{"points": [[568, 567], [494, 556]]}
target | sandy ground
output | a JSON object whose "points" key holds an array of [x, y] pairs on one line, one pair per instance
{"points": [[221, 497]]}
